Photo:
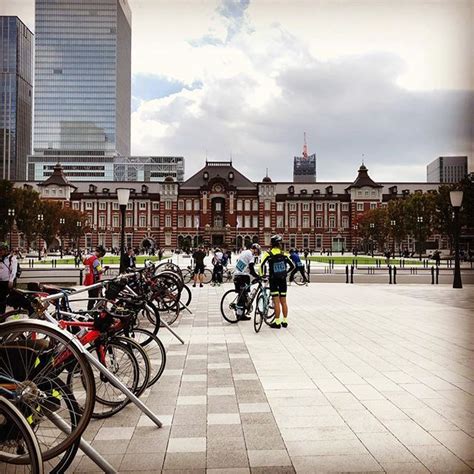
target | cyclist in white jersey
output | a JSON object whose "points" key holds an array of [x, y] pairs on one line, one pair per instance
{"points": [[244, 269]]}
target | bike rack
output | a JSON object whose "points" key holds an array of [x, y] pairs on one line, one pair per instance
{"points": [[165, 324]]}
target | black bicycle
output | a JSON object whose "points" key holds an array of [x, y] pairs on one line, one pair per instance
{"points": [[230, 298]]}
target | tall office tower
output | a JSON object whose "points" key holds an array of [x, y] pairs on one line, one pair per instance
{"points": [[16, 79], [447, 169], [82, 78], [304, 167]]}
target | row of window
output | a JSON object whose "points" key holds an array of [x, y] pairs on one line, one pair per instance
{"points": [[142, 205]]}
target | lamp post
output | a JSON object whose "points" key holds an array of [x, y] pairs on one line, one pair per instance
{"points": [[419, 219], [62, 221], [11, 218], [123, 195], [355, 244], [393, 223], [78, 225], [40, 220], [372, 226], [456, 201]]}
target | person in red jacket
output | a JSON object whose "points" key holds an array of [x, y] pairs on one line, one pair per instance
{"points": [[93, 270]]}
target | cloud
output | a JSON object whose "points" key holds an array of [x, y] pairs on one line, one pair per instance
{"points": [[263, 88]]}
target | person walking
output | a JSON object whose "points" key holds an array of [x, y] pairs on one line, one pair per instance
{"points": [[244, 269], [94, 271], [8, 269], [278, 265], [131, 259], [218, 267], [299, 266]]}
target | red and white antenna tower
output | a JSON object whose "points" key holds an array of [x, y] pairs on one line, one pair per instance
{"points": [[305, 147]]}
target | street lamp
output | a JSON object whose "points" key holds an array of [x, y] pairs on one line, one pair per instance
{"points": [[78, 225], [62, 221], [123, 195], [11, 218], [419, 219], [372, 226], [40, 220], [355, 244], [456, 201], [393, 223]]}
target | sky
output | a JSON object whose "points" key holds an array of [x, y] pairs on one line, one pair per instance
{"points": [[388, 82]]}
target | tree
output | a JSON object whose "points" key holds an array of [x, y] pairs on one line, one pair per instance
{"points": [[27, 206], [373, 227], [396, 213], [70, 227], [52, 211], [6, 202], [420, 217]]}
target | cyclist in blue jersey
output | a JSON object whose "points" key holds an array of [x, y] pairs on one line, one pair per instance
{"points": [[278, 264], [244, 269], [299, 266]]}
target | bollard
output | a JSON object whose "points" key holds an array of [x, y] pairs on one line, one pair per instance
{"points": [[394, 275], [432, 275], [352, 273], [80, 276], [347, 273], [389, 274], [437, 275]]}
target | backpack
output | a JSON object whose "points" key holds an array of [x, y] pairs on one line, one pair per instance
{"points": [[277, 265]]}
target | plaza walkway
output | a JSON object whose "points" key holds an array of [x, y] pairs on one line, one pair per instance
{"points": [[366, 378]]}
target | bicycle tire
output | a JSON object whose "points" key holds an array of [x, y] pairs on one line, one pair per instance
{"points": [[105, 408], [258, 314], [270, 316], [207, 276], [144, 364], [299, 280], [155, 350], [13, 421], [55, 343], [188, 276], [228, 312]]}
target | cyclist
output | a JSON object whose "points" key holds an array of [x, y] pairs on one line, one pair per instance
{"points": [[93, 270], [218, 267], [299, 267], [8, 269], [198, 257], [278, 264], [244, 268]]}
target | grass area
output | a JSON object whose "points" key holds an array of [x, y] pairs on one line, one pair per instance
{"points": [[340, 260], [109, 260]]}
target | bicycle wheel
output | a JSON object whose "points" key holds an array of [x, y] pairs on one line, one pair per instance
{"points": [[207, 276], [270, 314], [155, 351], [299, 280], [260, 308], [18, 442], [38, 357], [228, 306], [188, 276], [144, 364], [122, 363]]}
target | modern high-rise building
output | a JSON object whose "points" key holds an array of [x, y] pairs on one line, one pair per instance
{"points": [[82, 78], [304, 167], [447, 169], [16, 79]]}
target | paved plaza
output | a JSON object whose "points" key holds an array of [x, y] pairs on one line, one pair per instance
{"points": [[366, 378]]}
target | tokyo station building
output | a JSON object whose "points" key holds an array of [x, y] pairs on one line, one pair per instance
{"points": [[219, 206]]}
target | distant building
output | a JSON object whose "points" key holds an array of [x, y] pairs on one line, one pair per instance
{"points": [[107, 168], [447, 169], [82, 78], [16, 79], [304, 167], [218, 205]]}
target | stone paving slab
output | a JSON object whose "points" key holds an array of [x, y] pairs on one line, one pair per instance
{"points": [[366, 378]]}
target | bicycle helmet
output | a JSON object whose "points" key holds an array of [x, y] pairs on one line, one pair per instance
{"points": [[276, 240], [256, 247]]}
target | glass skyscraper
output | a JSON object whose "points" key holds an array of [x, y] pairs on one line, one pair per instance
{"points": [[82, 78], [16, 79]]}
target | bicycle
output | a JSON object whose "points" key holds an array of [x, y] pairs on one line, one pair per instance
{"points": [[230, 298], [263, 308], [188, 275], [18, 443]]}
